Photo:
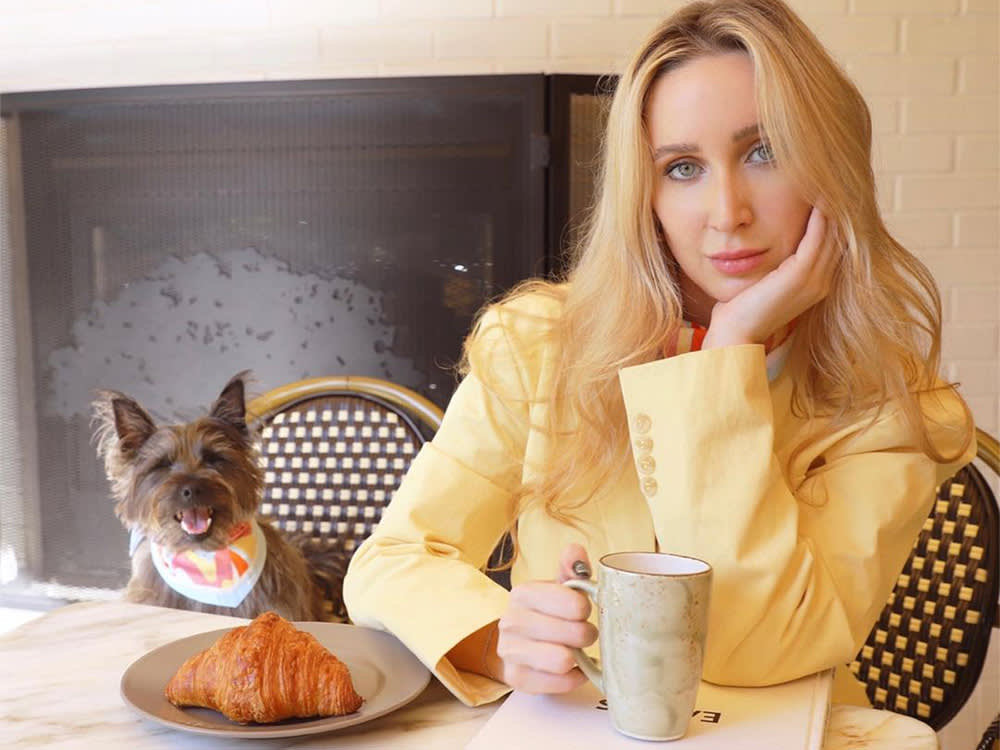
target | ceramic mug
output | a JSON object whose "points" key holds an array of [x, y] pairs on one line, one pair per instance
{"points": [[653, 615]]}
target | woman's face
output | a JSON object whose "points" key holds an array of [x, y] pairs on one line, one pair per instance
{"points": [[728, 212]]}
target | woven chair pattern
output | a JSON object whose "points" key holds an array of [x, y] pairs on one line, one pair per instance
{"points": [[332, 463], [925, 653]]}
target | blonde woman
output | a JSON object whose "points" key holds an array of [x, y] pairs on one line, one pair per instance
{"points": [[740, 367]]}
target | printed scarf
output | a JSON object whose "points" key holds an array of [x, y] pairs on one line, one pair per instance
{"points": [[222, 577]]}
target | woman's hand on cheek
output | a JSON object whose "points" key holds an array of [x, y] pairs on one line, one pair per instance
{"points": [[543, 621], [802, 280]]}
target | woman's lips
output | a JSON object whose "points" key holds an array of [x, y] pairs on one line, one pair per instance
{"points": [[737, 262]]}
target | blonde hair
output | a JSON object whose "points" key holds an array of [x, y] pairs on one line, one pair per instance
{"points": [[875, 339]]}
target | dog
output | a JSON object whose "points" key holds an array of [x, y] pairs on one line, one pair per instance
{"points": [[189, 495]]}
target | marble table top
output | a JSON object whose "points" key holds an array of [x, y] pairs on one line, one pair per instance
{"points": [[60, 689]]}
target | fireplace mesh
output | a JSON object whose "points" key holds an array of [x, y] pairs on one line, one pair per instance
{"points": [[167, 238]]}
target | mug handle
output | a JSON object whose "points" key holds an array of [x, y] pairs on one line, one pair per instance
{"points": [[587, 665]]}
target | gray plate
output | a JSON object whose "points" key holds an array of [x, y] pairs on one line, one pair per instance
{"points": [[384, 673]]}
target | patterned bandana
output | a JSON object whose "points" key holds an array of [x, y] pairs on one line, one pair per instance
{"points": [[690, 337], [222, 577]]}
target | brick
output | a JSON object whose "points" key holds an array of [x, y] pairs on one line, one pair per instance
{"points": [[889, 74], [961, 267], [967, 114], [974, 378], [812, 8], [986, 416], [554, 8], [979, 230], [125, 22], [979, 75], [973, 342], [377, 41], [66, 66], [54, 29], [885, 114], [581, 65], [936, 192], [588, 39], [845, 35], [885, 192], [954, 36], [980, 7], [321, 12], [920, 153], [656, 9], [978, 152], [331, 69], [165, 60], [503, 39], [905, 7], [921, 231], [975, 304], [279, 50], [464, 66], [437, 9]]}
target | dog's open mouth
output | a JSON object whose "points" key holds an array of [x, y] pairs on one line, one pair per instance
{"points": [[195, 521]]}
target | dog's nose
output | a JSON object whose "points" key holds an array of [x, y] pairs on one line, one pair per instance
{"points": [[190, 491]]}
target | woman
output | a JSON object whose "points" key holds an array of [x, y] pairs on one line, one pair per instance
{"points": [[739, 367]]}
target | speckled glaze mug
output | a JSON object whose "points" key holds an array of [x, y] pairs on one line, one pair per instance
{"points": [[653, 615]]}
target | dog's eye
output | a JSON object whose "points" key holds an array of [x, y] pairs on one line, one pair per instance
{"points": [[210, 457]]}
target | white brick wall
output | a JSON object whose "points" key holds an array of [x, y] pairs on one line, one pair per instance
{"points": [[929, 69]]}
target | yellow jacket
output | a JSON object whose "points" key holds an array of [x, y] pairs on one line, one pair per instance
{"points": [[806, 535]]}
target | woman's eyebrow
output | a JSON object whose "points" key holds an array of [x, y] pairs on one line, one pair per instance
{"points": [[744, 133], [675, 148], [679, 148]]}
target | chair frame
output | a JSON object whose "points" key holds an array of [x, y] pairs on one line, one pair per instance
{"points": [[987, 451], [412, 403], [968, 675]]}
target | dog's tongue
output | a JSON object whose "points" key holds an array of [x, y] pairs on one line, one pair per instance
{"points": [[196, 520]]}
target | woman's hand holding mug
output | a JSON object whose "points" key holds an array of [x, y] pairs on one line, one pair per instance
{"points": [[544, 621]]}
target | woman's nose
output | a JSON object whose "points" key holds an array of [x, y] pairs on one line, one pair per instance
{"points": [[729, 206]]}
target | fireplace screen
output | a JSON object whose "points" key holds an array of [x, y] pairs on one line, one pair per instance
{"points": [[173, 236]]}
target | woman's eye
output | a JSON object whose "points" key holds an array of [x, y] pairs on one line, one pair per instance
{"points": [[163, 464], [682, 170], [761, 153]]}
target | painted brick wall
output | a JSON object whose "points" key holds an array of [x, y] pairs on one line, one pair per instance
{"points": [[929, 69]]}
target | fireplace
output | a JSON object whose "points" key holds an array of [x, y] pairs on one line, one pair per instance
{"points": [[158, 240]]}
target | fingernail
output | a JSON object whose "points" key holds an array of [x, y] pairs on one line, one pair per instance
{"points": [[581, 569]]}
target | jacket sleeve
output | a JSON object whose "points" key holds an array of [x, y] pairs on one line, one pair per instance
{"points": [[419, 575], [801, 566]]}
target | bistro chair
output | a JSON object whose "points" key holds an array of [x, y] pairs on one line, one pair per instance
{"points": [[991, 737], [333, 451], [925, 653]]}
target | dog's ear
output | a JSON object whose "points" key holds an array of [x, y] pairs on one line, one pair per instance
{"points": [[230, 406], [119, 415]]}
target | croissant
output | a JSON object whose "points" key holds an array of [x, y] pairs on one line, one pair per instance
{"points": [[264, 672]]}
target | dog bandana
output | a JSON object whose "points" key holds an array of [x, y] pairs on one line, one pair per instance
{"points": [[690, 337], [221, 577]]}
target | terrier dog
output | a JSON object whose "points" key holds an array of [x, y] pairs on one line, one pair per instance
{"points": [[189, 494]]}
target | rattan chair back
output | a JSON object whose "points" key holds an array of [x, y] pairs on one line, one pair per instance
{"points": [[925, 653], [334, 450]]}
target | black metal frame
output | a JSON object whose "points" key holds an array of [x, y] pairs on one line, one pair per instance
{"points": [[539, 152], [560, 89]]}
